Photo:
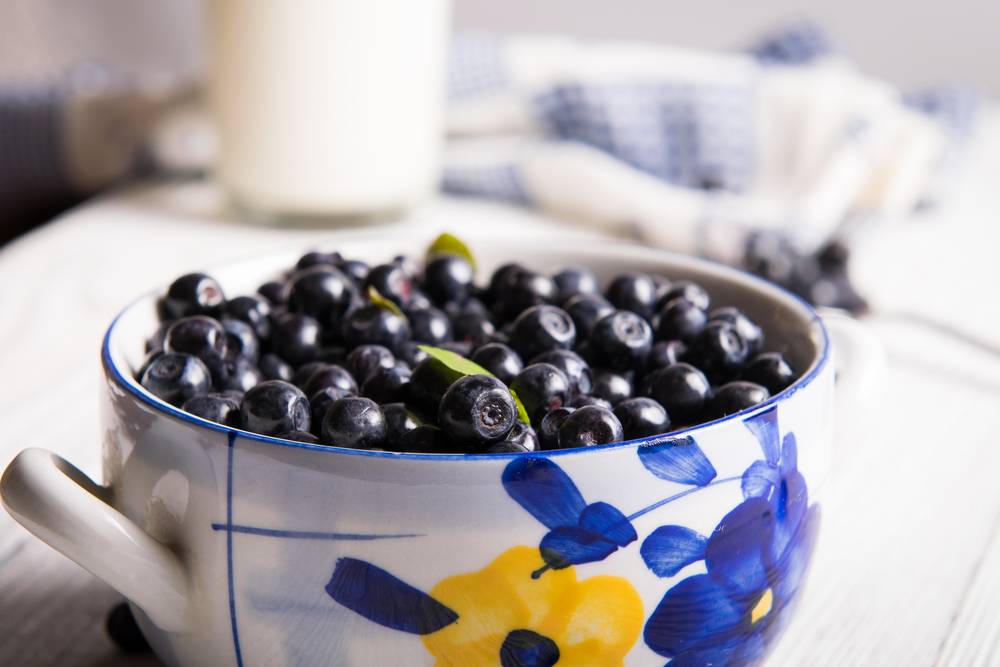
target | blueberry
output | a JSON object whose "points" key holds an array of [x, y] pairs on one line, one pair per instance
{"points": [[540, 329], [295, 338], [124, 631], [150, 358], [665, 353], [387, 385], [679, 319], [499, 360], [523, 435], [408, 352], [573, 281], [320, 402], [241, 341], [377, 325], [424, 439], [476, 410], [719, 350], [274, 407], [541, 387], [735, 396], [216, 408], [521, 291], [589, 399], [621, 341], [470, 326], [770, 370], [448, 279], [200, 336], [581, 378], [193, 294], [635, 292], [428, 383], [687, 290], [274, 292], [501, 279], [429, 325], [548, 430], [408, 265], [471, 305], [611, 386], [642, 417], [299, 436], [241, 375], [354, 269], [506, 447], [418, 300], [365, 360], [682, 389], [588, 426], [305, 371], [746, 327], [586, 310], [252, 310], [273, 367], [323, 293], [460, 347], [355, 422], [314, 258], [398, 422], [176, 377], [392, 282], [330, 375]]}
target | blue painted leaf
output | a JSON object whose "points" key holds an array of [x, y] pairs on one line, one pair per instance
{"points": [[678, 460], [380, 597], [697, 612], [760, 480], [789, 454], [606, 520], [764, 426], [738, 550], [572, 545], [541, 487], [670, 548]]}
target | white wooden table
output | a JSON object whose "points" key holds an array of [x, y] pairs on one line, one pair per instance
{"points": [[908, 572]]}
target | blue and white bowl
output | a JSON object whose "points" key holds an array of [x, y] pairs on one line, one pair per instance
{"points": [[238, 549]]}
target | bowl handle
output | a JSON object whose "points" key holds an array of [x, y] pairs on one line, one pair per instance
{"points": [[861, 369], [60, 505]]}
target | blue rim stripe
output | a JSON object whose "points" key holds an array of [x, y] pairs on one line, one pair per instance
{"points": [[229, 548]]}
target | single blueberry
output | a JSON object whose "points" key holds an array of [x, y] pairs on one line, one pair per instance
{"points": [[176, 377], [642, 417], [665, 353], [679, 319], [682, 389], [588, 426], [476, 410], [398, 422], [635, 292], [471, 326], [524, 435], [323, 293], [733, 397], [581, 378], [366, 360], [462, 348], [747, 328], [573, 281], [377, 325], [586, 310], [387, 385], [719, 350], [330, 375], [295, 338], [276, 293], [448, 279], [621, 341], [770, 370], [548, 430], [217, 408], [254, 311], [314, 258], [687, 290], [409, 352], [429, 325], [274, 407], [355, 422], [305, 371], [523, 290], [428, 383], [392, 282], [541, 387], [354, 269], [193, 294], [502, 278], [320, 402], [611, 386], [273, 367], [540, 329], [241, 375], [241, 341], [198, 335], [500, 360]]}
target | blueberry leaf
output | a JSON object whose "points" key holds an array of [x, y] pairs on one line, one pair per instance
{"points": [[456, 366], [544, 490], [381, 597], [677, 460], [382, 302], [572, 545], [670, 548], [449, 244]]}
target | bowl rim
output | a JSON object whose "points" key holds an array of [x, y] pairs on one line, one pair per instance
{"points": [[819, 363]]}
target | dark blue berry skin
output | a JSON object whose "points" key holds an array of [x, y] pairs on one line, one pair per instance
{"points": [[523, 435], [418, 300], [541, 329], [747, 328], [502, 277], [665, 353], [365, 360], [305, 371], [299, 436], [448, 279], [541, 387], [176, 377], [477, 410], [274, 292], [685, 289], [192, 294], [273, 367], [679, 319], [320, 401], [635, 292], [387, 385], [424, 439], [471, 326], [392, 282], [355, 422], [621, 341], [733, 397], [548, 430], [274, 407], [428, 383], [682, 390], [216, 408], [398, 422], [409, 353], [429, 326], [330, 375], [589, 426], [500, 360], [574, 280], [124, 631], [521, 291], [241, 375], [589, 399], [354, 269], [252, 310], [295, 338], [241, 341], [198, 335], [332, 354], [376, 325], [506, 447], [586, 310], [409, 266], [323, 293], [581, 378], [611, 386], [770, 370], [314, 258], [642, 417], [462, 348], [719, 350]]}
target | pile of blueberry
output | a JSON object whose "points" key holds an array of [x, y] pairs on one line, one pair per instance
{"points": [[406, 358]]}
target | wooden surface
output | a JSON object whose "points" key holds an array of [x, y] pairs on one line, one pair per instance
{"points": [[908, 570]]}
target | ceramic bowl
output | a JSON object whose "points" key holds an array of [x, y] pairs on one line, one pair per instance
{"points": [[239, 549]]}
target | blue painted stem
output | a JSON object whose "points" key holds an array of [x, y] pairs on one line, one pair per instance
{"points": [[308, 534], [669, 499]]}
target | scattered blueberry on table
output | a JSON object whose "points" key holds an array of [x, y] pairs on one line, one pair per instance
{"points": [[408, 358]]}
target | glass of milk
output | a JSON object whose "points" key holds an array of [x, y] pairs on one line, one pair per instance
{"points": [[328, 108]]}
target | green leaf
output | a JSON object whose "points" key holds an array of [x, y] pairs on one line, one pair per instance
{"points": [[449, 244], [458, 366], [383, 302]]}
